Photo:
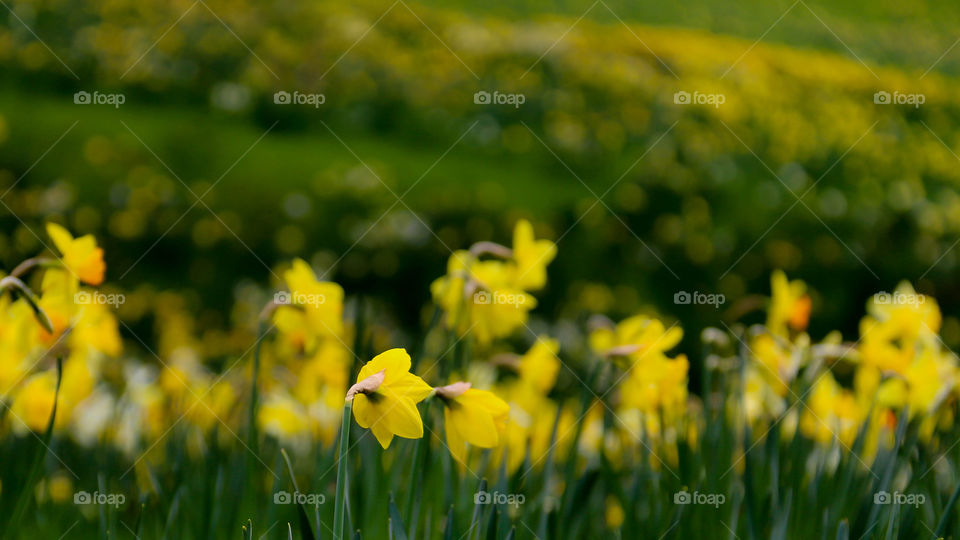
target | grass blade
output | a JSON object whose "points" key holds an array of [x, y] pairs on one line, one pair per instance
{"points": [[942, 526], [306, 531], [397, 530]]}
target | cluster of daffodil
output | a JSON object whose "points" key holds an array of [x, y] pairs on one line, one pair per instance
{"points": [[305, 373], [652, 405], [899, 364], [498, 400], [490, 298], [48, 312]]}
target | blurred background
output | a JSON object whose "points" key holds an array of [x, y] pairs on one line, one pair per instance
{"points": [[206, 142]]}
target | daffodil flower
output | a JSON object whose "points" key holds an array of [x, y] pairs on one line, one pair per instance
{"points": [[490, 298], [636, 338], [789, 305], [80, 255], [471, 416], [531, 256], [313, 306], [539, 366], [386, 395]]}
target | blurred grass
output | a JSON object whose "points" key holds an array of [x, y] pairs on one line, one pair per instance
{"points": [[913, 35], [200, 145]]}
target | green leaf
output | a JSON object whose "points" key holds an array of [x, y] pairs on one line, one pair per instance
{"points": [[475, 519], [306, 531], [397, 530], [843, 530], [942, 526], [448, 530]]}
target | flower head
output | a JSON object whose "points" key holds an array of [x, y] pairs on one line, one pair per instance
{"points": [[531, 256], [80, 255], [386, 395], [315, 307], [789, 305], [472, 416]]}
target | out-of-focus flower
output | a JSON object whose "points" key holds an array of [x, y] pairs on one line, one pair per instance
{"points": [[614, 513], [33, 403], [386, 395], [311, 306], [283, 417], [789, 305], [832, 412], [80, 255], [489, 297], [635, 339], [657, 385], [531, 256], [539, 366], [903, 362]]}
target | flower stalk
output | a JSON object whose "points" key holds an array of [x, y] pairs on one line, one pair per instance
{"points": [[341, 499]]}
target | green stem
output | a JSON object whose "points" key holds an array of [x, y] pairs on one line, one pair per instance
{"points": [[417, 468], [13, 283], [942, 526], [44, 262], [340, 505], [252, 415]]}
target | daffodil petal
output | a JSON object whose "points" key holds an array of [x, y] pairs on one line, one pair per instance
{"points": [[393, 361], [400, 416]]}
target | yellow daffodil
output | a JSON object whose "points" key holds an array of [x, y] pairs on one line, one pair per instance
{"points": [[789, 305], [318, 303], [659, 385], [80, 255], [471, 416], [635, 339], [33, 403], [283, 417], [386, 395], [539, 366], [779, 361], [832, 413], [489, 297], [531, 257]]}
